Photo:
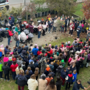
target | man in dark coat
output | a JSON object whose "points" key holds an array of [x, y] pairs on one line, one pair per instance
{"points": [[77, 85]]}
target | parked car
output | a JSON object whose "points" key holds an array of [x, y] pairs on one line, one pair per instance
{"points": [[4, 3]]}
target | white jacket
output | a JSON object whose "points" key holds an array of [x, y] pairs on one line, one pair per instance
{"points": [[32, 84]]}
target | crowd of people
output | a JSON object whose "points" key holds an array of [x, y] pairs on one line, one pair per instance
{"points": [[45, 67], [40, 66], [63, 24]]}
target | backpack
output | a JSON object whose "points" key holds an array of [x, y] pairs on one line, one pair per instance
{"points": [[10, 33]]}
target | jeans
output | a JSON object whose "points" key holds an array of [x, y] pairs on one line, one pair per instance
{"points": [[62, 29], [39, 33], [78, 34], [13, 75], [9, 38], [54, 29], [65, 28], [17, 43], [71, 32], [0, 74], [6, 76], [20, 87], [50, 29]]}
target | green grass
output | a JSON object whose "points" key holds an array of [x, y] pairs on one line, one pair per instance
{"points": [[78, 10]]}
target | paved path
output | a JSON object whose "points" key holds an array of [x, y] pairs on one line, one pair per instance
{"points": [[42, 41]]}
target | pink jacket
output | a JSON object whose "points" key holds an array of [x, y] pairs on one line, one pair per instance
{"points": [[70, 59], [5, 59]]}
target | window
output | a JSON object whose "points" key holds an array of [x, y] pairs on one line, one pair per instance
{"points": [[2, 1]]}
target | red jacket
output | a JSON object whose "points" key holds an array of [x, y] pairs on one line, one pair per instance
{"points": [[13, 67], [39, 52]]}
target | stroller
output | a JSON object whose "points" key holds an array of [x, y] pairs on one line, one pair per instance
{"points": [[30, 36]]}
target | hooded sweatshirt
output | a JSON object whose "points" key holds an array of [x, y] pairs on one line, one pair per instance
{"points": [[32, 84]]}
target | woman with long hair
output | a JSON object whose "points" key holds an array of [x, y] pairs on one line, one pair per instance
{"points": [[51, 85]]}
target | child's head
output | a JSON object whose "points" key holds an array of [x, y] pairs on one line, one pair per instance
{"points": [[68, 67], [70, 72], [27, 72], [74, 71], [29, 68], [5, 63]]}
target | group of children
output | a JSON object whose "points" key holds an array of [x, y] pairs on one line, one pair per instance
{"points": [[31, 61]]}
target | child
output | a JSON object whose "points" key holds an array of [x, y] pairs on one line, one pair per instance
{"points": [[69, 80], [36, 72], [1, 70], [74, 75], [6, 69]]}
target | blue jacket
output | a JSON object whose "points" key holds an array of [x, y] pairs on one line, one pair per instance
{"points": [[75, 77], [0, 54], [12, 19], [34, 51]]}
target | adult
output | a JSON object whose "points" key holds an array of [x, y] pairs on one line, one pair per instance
{"points": [[32, 83], [51, 86], [16, 39], [79, 29], [58, 83], [9, 36], [12, 19], [21, 80], [65, 24], [50, 24], [17, 29], [77, 85], [31, 28], [49, 78], [39, 30], [10, 23], [42, 82]]}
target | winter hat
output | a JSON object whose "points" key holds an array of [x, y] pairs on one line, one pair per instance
{"points": [[56, 47], [69, 42], [9, 18], [43, 75]]}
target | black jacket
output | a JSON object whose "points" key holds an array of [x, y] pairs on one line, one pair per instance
{"points": [[77, 86], [6, 69], [58, 84], [21, 80]]}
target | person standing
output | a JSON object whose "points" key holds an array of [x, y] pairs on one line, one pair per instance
{"points": [[32, 83], [39, 30], [79, 29], [58, 83], [71, 28], [65, 24], [16, 39], [17, 29], [51, 86], [6, 70], [9, 36], [50, 24], [21, 80], [42, 82], [77, 85], [13, 68]]}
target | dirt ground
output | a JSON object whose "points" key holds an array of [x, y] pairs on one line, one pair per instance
{"points": [[49, 37]]}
